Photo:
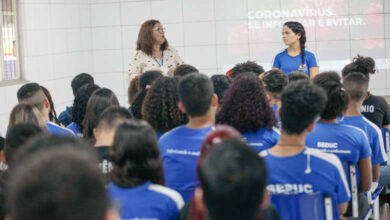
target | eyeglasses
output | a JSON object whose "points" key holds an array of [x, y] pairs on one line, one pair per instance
{"points": [[160, 30]]}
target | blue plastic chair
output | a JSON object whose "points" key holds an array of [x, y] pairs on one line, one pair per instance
{"points": [[373, 197], [305, 206], [350, 172], [386, 140]]}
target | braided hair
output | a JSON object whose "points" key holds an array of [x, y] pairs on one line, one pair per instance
{"points": [[298, 28]]}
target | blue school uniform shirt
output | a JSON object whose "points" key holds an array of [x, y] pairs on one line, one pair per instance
{"points": [[56, 129], [348, 143], [180, 150], [65, 117], [75, 128], [262, 139], [147, 201], [310, 171], [288, 63], [374, 134]]}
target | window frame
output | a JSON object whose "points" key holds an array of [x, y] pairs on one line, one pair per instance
{"points": [[18, 45]]}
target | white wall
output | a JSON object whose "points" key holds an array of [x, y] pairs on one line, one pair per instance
{"points": [[56, 45], [214, 35], [62, 38]]}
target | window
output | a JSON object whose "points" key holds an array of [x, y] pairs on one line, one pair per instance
{"points": [[9, 58]]}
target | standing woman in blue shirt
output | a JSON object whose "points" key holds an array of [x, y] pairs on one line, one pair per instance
{"points": [[295, 57]]}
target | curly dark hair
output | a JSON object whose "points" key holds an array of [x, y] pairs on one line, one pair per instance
{"points": [[245, 105], [297, 75], [365, 65], [135, 155], [249, 66], [133, 89], [144, 82], [145, 38], [337, 97], [80, 103], [99, 101], [220, 83], [274, 82], [160, 107], [302, 103]]}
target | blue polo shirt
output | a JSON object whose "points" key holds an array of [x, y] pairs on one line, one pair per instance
{"points": [[288, 63], [373, 133], [65, 117], [147, 201], [180, 150], [348, 143], [307, 172], [262, 139], [56, 129], [75, 128]]}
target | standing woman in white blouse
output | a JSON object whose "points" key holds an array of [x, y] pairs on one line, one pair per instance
{"points": [[153, 51]]}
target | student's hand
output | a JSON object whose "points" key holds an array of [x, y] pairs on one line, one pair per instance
{"points": [[171, 70], [342, 217]]}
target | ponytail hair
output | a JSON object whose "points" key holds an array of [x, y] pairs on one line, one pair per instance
{"points": [[365, 65], [337, 97], [298, 28]]}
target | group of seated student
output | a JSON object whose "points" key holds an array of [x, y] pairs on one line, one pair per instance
{"points": [[194, 147]]}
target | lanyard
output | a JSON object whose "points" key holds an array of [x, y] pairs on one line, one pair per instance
{"points": [[162, 59]]}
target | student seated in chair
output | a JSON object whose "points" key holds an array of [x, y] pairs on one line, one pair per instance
{"points": [[180, 147], [32, 93], [295, 168], [356, 85], [232, 183], [348, 143], [104, 133]]}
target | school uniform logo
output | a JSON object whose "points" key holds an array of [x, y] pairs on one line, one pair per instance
{"points": [[303, 68]]}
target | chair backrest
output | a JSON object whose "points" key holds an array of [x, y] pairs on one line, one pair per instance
{"points": [[386, 141], [350, 172], [305, 206]]}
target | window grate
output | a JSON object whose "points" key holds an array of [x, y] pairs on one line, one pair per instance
{"points": [[9, 44]]}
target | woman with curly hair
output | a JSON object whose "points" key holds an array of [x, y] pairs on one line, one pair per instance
{"points": [[160, 107], [246, 108], [144, 82], [375, 108], [137, 175], [80, 106]]}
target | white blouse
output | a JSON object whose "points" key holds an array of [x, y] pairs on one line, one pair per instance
{"points": [[143, 62]]}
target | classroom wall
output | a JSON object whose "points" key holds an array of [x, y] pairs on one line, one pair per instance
{"points": [[61, 38]]}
